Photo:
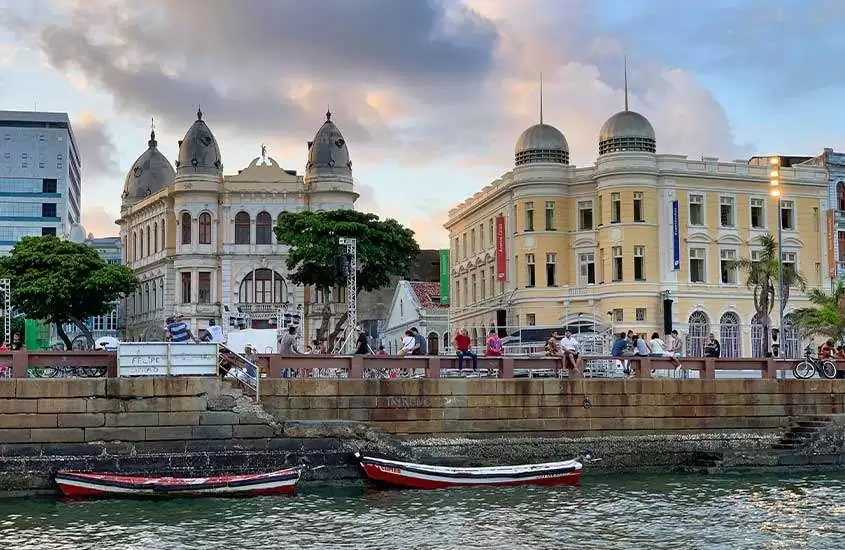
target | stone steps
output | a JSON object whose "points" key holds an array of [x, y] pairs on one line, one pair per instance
{"points": [[802, 430]]}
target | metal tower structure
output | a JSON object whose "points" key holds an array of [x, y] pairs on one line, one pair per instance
{"points": [[351, 294], [6, 295]]}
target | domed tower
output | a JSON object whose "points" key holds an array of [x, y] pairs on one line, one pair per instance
{"points": [[328, 172], [198, 151], [627, 131], [149, 174], [541, 143]]}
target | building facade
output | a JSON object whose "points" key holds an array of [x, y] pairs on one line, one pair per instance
{"points": [[834, 163], [639, 240], [40, 177], [202, 244], [417, 304]]}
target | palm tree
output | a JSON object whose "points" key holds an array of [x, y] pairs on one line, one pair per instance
{"points": [[827, 318], [762, 277]]}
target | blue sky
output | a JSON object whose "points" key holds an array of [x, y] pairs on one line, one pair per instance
{"points": [[430, 94]]}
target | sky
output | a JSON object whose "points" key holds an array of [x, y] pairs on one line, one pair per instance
{"points": [[430, 95]]}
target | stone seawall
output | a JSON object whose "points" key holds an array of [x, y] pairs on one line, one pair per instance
{"points": [[202, 426]]}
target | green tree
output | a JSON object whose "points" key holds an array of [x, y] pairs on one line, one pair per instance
{"points": [[826, 317], [384, 249], [762, 278], [63, 282]]}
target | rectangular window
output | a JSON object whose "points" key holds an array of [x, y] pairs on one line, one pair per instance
{"points": [[587, 269], [529, 216], [464, 246], [481, 237], [458, 293], [531, 279], [48, 231], [618, 315], [530, 319], [472, 241], [490, 235], [841, 238], [758, 210], [790, 261], [550, 269], [639, 215], [474, 289], [483, 280], [755, 255], [550, 215], [726, 212], [639, 263], [787, 215], [514, 219], [696, 265], [727, 266], [615, 207], [585, 215], [48, 210], [640, 314], [696, 210], [616, 253], [49, 185], [186, 287], [204, 287]]}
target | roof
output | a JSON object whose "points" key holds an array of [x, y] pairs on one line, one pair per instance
{"points": [[427, 294]]}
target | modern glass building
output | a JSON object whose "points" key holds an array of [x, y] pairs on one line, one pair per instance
{"points": [[40, 176]]}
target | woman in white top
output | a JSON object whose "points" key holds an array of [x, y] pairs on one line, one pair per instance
{"points": [[408, 343], [658, 349]]}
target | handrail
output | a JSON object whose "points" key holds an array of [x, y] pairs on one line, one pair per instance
{"points": [[244, 378]]}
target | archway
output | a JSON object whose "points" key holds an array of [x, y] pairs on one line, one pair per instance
{"points": [[699, 329], [262, 286], [729, 335], [433, 344]]}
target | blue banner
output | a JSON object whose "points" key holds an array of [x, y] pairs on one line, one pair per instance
{"points": [[676, 237]]}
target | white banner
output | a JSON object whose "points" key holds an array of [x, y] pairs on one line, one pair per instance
{"points": [[166, 359]]}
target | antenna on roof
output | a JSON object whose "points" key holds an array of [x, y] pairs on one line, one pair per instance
{"points": [[626, 82], [541, 98]]}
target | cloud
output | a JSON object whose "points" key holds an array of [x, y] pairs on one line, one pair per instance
{"points": [[99, 221], [8, 52], [98, 152]]}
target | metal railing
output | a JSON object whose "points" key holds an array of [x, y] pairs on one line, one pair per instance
{"points": [[247, 373]]}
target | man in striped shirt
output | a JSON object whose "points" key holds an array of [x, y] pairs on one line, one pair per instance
{"points": [[177, 330]]}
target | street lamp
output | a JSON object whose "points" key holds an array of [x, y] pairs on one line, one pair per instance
{"points": [[775, 191]]}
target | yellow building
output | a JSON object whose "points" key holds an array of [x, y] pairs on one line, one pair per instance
{"points": [[637, 241]]}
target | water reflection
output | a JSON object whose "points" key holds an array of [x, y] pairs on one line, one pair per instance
{"points": [[655, 512]]}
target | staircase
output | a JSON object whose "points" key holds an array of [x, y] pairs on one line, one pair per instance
{"points": [[802, 431], [239, 369]]}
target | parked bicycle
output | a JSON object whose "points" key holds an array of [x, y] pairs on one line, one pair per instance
{"points": [[810, 364]]}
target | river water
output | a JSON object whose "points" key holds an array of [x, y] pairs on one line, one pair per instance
{"points": [[605, 512]]}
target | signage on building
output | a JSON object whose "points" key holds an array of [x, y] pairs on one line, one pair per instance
{"points": [[166, 359], [501, 250], [831, 254], [676, 237], [444, 276]]}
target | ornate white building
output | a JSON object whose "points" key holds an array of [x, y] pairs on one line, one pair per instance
{"points": [[201, 242]]}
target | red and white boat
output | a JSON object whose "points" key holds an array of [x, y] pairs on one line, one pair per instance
{"points": [[424, 476], [88, 485]]}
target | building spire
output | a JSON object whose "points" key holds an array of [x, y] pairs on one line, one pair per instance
{"points": [[541, 98], [626, 82], [152, 142], [199, 112]]}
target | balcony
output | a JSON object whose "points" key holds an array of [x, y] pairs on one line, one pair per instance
{"points": [[259, 309]]}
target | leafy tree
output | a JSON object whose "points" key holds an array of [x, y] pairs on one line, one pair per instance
{"points": [[762, 278], [384, 249], [826, 318], [63, 282]]}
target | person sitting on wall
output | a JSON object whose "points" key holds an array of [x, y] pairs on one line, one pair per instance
{"points": [[494, 345], [569, 346], [712, 348], [17, 344], [826, 350], [463, 348], [618, 350]]}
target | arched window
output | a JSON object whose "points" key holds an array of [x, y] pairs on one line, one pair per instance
{"points": [[446, 342], [433, 342], [186, 228], [263, 286], [699, 329], [155, 237], [840, 195], [205, 228], [279, 218], [263, 228], [729, 335], [242, 228]]}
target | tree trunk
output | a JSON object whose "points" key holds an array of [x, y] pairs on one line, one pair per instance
{"points": [[84, 329], [63, 335]]}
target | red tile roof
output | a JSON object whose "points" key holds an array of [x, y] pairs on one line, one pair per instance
{"points": [[428, 294]]}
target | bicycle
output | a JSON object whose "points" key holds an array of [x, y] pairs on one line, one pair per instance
{"points": [[811, 364]]}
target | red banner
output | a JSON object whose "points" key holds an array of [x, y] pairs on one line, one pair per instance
{"points": [[501, 251]]}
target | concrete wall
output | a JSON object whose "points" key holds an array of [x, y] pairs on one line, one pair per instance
{"points": [[492, 408]]}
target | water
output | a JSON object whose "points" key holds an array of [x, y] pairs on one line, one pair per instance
{"points": [[630, 512]]}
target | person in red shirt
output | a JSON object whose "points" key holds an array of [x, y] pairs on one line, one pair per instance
{"points": [[494, 345], [463, 348]]}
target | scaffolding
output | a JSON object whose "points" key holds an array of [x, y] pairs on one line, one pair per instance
{"points": [[346, 340], [6, 292]]}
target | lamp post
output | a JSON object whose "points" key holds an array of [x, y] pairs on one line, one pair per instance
{"points": [[775, 191]]}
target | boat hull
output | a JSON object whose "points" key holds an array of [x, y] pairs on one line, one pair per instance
{"points": [[423, 476], [90, 485]]}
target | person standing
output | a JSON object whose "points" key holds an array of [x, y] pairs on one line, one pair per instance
{"points": [[419, 342], [463, 348], [362, 345], [177, 330], [214, 333], [287, 343]]}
